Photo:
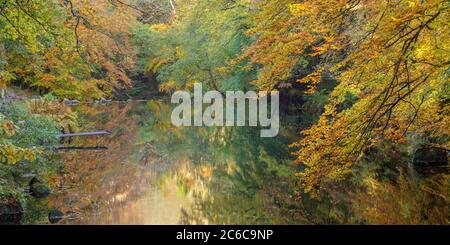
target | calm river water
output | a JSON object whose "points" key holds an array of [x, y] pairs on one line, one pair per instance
{"points": [[151, 172]]}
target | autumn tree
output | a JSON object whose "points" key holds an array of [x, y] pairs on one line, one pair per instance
{"points": [[155, 11], [198, 46], [74, 49], [391, 56]]}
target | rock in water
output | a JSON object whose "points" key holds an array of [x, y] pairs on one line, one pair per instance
{"points": [[430, 156], [39, 189], [430, 159], [54, 216]]}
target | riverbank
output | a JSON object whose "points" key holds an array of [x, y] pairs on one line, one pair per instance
{"points": [[28, 165]]}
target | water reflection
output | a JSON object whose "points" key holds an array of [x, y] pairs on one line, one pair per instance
{"points": [[150, 172], [153, 206]]}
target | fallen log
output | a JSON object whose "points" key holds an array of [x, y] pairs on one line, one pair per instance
{"points": [[84, 134], [81, 148]]}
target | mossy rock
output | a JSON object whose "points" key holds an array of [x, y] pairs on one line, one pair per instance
{"points": [[430, 157], [54, 216], [39, 189]]}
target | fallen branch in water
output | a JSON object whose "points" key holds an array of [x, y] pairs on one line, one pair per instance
{"points": [[84, 134], [81, 148]]}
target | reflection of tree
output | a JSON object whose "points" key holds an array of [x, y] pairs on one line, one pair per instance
{"points": [[229, 175], [408, 201], [236, 177], [250, 181], [91, 178], [245, 176]]}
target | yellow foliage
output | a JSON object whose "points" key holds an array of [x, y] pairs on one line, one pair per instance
{"points": [[11, 154], [395, 66], [62, 113], [168, 86], [160, 27]]}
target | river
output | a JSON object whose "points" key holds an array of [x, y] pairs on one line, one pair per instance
{"points": [[148, 171]]}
